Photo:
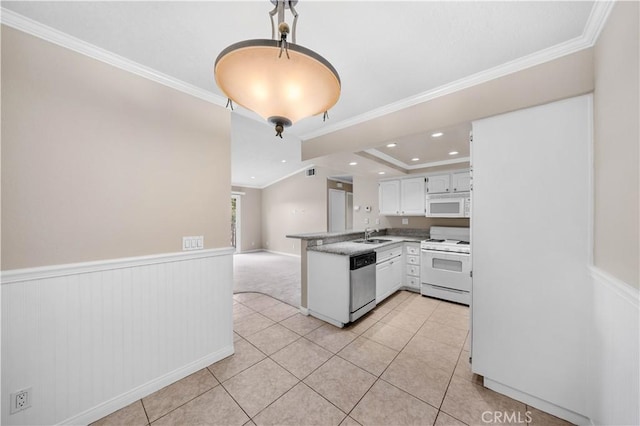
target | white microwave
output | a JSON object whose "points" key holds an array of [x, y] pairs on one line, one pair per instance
{"points": [[449, 205]]}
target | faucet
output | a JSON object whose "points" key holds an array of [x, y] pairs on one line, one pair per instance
{"points": [[368, 232]]}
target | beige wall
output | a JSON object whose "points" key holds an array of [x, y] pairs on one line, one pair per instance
{"points": [[365, 193], [98, 163], [444, 168], [561, 78], [426, 222], [251, 218], [295, 205], [617, 135]]}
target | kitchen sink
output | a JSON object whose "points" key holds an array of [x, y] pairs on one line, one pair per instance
{"points": [[372, 241]]}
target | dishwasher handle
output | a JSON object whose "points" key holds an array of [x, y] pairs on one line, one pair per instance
{"points": [[362, 260]]}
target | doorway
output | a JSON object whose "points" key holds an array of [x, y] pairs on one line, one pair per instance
{"points": [[339, 203], [337, 208], [236, 207]]}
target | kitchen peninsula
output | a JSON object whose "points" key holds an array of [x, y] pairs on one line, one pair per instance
{"points": [[389, 244]]}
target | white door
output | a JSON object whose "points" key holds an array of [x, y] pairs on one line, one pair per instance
{"points": [[349, 210], [337, 210]]}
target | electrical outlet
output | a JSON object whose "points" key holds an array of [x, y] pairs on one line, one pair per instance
{"points": [[20, 400], [405, 221]]}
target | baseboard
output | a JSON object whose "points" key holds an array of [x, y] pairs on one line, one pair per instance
{"points": [[249, 251], [282, 253], [538, 403], [304, 311], [96, 413]]}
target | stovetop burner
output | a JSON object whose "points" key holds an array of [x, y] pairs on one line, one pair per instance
{"points": [[448, 239]]}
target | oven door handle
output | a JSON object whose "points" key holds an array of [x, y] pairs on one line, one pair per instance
{"points": [[444, 252]]}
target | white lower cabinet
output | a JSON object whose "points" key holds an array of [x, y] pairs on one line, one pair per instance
{"points": [[328, 287], [412, 268], [389, 272]]}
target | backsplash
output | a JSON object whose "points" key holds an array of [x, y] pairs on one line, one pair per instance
{"points": [[421, 222]]}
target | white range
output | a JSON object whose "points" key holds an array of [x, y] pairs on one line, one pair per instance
{"points": [[446, 264]]}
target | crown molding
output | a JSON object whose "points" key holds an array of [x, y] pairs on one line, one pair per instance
{"points": [[596, 21], [37, 29], [598, 17], [242, 185], [381, 155]]}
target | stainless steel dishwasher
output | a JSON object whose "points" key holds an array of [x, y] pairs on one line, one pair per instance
{"points": [[362, 274]]}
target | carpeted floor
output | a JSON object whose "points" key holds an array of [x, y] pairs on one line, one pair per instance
{"points": [[272, 274]]}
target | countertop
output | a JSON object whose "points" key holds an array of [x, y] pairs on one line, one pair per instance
{"points": [[350, 248], [323, 235]]}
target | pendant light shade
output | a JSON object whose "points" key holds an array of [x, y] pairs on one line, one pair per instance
{"points": [[280, 81]]}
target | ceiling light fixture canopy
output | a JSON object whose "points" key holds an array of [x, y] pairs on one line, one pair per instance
{"points": [[279, 80]]}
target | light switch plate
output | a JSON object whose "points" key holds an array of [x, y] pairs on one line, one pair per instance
{"points": [[405, 221], [192, 243]]}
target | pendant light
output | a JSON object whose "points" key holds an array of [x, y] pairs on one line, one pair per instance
{"points": [[279, 80]]}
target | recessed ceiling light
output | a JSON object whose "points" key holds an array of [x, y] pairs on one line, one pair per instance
{"points": [[284, 161], [415, 159], [380, 173], [353, 163], [453, 153], [253, 177], [436, 135], [392, 145]]}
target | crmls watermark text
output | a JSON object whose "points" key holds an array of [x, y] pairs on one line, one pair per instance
{"points": [[499, 417]]}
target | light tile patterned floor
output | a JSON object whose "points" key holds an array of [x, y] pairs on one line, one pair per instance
{"points": [[405, 363]]}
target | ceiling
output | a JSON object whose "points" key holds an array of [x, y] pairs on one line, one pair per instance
{"points": [[385, 53]]}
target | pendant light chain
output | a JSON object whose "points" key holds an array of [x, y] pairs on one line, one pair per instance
{"points": [[279, 10]]}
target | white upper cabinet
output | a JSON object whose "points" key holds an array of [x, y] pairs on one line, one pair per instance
{"points": [[402, 197], [412, 200], [439, 183], [406, 196], [461, 181], [389, 197]]}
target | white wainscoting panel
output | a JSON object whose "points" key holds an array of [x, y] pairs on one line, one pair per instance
{"points": [[91, 338], [614, 356]]}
